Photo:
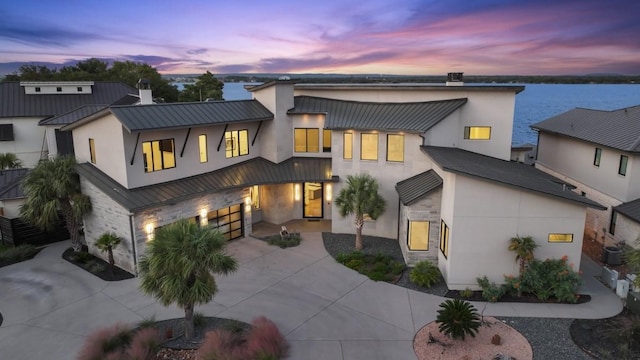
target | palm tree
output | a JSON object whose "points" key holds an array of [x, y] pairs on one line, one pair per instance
{"points": [[51, 188], [9, 161], [178, 265], [523, 247], [106, 242], [360, 198]]}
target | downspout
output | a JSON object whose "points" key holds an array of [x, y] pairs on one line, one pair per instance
{"points": [[133, 244]]}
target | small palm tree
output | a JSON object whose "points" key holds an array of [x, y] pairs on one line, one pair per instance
{"points": [[9, 161], [106, 242], [178, 266], [524, 248], [458, 318], [51, 188], [360, 197]]}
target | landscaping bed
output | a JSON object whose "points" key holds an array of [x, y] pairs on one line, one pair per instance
{"points": [[616, 337], [524, 298], [292, 240], [95, 265], [11, 255]]}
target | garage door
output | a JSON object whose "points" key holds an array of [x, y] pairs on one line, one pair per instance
{"points": [[228, 221]]}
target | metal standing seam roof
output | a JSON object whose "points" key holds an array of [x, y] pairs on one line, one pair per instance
{"points": [[256, 171], [505, 172], [617, 129], [177, 115], [11, 183], [343, 114], [630, 209], [15, 103], [73, 115], [415, 187]]}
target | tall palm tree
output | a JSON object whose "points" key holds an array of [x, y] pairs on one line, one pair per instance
{"points": [[360, 197], [51, 188], [106, 242], [9, 161], [178, 265], [523, 246]]}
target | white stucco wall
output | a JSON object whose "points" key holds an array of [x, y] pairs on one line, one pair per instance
{"points": [[29, 141], [276, 137], [52, 142], [11, 207]]}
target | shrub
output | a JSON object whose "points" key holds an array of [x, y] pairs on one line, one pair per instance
{"points": [[81, 257], [490, 291], [19, 253], [199, 319], [466, 293], [458, 318], [147, 322], [94, 267], [377, 267], [220, 344], [291, 241], [235, 326], [102, 342], [144, 345], [552, 277], [265, 341], [512, 285], [424, 274]]}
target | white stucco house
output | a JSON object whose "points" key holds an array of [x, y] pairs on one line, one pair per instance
{"points": [[598, 152], [441, 154]]}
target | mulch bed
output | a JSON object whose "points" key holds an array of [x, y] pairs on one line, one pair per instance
{"points": [[611, 338], [88, 265], [525, 298], [15, 261]]}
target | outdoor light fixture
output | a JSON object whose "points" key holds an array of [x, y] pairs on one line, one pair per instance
{"points": [[150, 233], [296, 192], [203, 217], [328, 193]]}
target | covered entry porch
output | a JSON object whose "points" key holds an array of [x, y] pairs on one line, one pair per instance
{"points": [[263, 228]]}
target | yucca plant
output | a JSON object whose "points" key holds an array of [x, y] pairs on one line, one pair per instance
{"points": [[457, 319]]}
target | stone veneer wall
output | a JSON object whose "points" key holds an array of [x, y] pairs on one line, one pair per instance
{"points": [[628, 231], [427, 208], [278, 204]]}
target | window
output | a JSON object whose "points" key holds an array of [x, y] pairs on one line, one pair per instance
{"points": [[158, 155], [395, 147], [566, 238], [348, 145], [38, 89], [6, 132], [622, 169], [597, 156], [612, 223], [418, 235], [306, 140], [59, 89], [236, 143], [202, 142], [477, 132], [326, 140], [255, 196], [79, 88], [368, 146], [444, 239], [92, 150]]}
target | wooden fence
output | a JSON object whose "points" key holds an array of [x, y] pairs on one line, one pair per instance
{"points": [[17, 232]]}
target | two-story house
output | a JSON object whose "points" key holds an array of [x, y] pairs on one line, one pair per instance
{"points": [[441, 154], [596, 151]]}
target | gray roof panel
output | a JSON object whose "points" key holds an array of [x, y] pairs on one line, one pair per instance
{"points": [[412, 117], [617, 129], [73, 115], [415, 187], [631, 210], [505, 172], [11, 183], [251, 172]]}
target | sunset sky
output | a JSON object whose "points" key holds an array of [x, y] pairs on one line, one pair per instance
{"points": [[422, 37]]}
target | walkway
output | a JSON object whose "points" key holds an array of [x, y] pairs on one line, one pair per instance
{"points": [[326, 311]]}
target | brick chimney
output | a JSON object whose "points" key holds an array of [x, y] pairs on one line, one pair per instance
{"points": [[144, 91], [454, 79]]}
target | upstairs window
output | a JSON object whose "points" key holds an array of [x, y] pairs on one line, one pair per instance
{"points": [[477, 132], [236, 143], [622, 168], [326, 140], [561, 238], [158, 155], [395, 147], [92, 151], [6, 132], [306, 140], [597, 156], [368, 146], [202, 145], [347, 151]]}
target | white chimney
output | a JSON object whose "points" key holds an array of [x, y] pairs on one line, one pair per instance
{"points": [[454, 79], [144, 91]]}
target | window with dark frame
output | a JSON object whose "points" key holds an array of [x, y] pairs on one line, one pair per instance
{"points": [[622, 168], [597, 156], [92, 150], [306, 140], [560, 238], [612, 223], [6, 132], [59, 89], [38, 89], [326, 140], [444, 239], [79, 88], [418, 235], [369, 146], [158, 155], [477, 132], [202, 147], [236, 143]]}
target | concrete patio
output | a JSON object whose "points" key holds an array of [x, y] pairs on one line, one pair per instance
{"points": [[325, 310]]}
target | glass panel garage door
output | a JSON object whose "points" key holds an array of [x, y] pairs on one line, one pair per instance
{"points": [[228, 221]]}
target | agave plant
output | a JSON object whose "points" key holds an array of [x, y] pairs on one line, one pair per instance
{"points": [[457, 319]]}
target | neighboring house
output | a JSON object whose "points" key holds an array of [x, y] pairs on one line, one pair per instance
{"points": [[11, 195], [25, 105], [599, 153], [525, 153], [440, 153]]}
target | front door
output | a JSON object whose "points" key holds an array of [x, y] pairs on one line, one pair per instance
{"points": [[313, 195]]}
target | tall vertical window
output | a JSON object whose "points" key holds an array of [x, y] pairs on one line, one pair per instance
{"points": [[92, 150], [348, 145], [326, 140], [395, 147], [597, 156], [444, 239], [612, 223], [255, 196], [622, 168], [202, 143], [418, 235], [158, 155], [477, 132], [368, 146], [306, 140], [236, 143]]}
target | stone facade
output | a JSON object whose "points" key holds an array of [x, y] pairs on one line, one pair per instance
{"points": [[425, 209], [628, 231]]}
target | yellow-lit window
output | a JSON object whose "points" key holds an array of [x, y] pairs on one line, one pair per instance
{"points": [[255, 196], [444, 239], [348, 145], [202, 141], [418, 235], [368, 146], [566, 238], [306, 140], [395, 147], [477, 132], [92, 151], [326, 140], [158, 155], [236, 143]]}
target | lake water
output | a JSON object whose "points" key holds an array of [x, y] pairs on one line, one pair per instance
{"points": [[536, 103]]}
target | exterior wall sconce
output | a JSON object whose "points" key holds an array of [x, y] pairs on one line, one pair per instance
{"points": [[328, 193], [296, 192], [150, 231], [247, 204], [203, 217]]}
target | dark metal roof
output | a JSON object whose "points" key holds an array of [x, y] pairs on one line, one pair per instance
{"points": [[504, 172], [411, 87], [177, 115], [11, 183], [617, 129], [417, 186], [342, 114], [15, 103], [73, 115], [128, 99], [630, 209], [251, 172]]}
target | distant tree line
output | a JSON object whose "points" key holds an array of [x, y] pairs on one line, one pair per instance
{"points": [[128, 72]]}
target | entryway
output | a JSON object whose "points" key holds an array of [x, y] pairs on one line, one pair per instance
{"points": [[313, 195]]}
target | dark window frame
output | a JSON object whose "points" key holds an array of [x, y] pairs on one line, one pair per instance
{"points": [[622, 170], [149, 168], [306, 139], [326, 148], [612, 222], [6, 132], [467, 132], [236, 141], [409, 222], [597, 157], [92, 150], [444, 239]]}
